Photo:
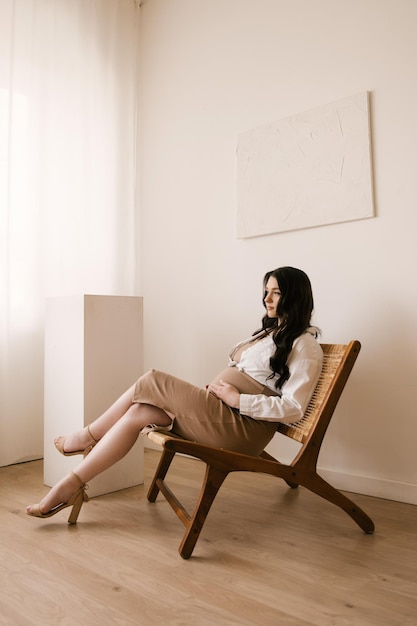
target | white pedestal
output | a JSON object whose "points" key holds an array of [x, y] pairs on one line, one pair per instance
{"points": [[93, 353]]}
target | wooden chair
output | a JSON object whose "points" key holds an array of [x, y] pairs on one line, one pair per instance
{"points": [[309, 432]]}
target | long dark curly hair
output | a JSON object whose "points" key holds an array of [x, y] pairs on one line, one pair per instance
{"points": [[294, 312]]}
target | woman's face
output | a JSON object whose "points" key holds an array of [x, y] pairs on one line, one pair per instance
{"points": [[272, 297]]}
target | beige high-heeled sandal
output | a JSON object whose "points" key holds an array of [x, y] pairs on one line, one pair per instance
{"points": [[60, 444], [76, 501]]}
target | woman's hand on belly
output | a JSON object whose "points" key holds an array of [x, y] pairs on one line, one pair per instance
{"points": [[226, 393]]}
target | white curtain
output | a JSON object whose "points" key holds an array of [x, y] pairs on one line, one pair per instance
{"points": [[68, 94]]}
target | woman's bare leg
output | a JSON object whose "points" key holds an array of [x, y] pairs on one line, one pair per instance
{"points": [[81, 438], [117, 442], [113, 446]]}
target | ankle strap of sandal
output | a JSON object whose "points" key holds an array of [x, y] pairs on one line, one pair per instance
{"points": [[78, 479], [89, 432]]}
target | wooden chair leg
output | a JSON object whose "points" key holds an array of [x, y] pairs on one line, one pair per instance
{"points": [[292, 485], [212, 482], [318, 485], [268, 457], [163, 467]]}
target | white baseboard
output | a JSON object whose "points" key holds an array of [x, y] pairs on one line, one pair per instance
{"points": [[371, 486]]}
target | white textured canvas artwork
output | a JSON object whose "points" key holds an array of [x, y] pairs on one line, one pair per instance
{"points": [[307, 170]]}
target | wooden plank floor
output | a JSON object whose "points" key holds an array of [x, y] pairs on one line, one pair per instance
{"points": [[268, 555]]}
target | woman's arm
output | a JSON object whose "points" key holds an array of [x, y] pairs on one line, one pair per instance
{"points": [[296, 394]]}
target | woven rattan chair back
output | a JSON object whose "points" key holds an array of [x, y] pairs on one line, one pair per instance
{"points": [[333, 358]]}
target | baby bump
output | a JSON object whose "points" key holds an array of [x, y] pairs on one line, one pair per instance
{"points": [[242, 381]]}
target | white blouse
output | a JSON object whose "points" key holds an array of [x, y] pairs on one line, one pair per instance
{"points": [[304, 363]]}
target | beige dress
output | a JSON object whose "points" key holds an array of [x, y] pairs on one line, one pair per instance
{"points": [[200, 416]]}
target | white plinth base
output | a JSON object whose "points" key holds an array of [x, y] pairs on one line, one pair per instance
{"points": [[93, 353]]}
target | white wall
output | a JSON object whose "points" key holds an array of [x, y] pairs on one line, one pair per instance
{"points": [[212, 69]]}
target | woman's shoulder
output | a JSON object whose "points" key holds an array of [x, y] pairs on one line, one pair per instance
{"points": [[307, 344]]}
